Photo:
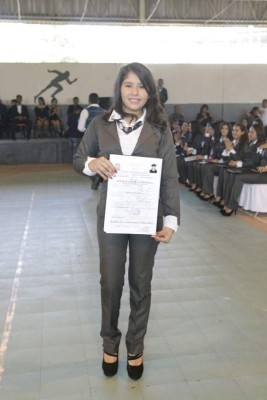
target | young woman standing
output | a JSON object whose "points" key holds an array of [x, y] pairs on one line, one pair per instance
{"points": [[136, 126]]}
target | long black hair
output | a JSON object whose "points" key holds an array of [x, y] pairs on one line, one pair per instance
{"points": [[244, 138], [154, 111], [258, 126]]}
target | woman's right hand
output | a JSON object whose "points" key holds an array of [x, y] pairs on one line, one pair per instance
{"points": [[228, 145], [262, 169], [102, 167]]}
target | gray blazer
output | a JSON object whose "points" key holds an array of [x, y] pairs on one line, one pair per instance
{"points": [[101, 139]]}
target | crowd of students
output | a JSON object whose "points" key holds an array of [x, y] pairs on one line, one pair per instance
{"points": [[236, 153]]}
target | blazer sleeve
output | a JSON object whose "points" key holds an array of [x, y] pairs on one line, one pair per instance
{"points": [[169, 191], [88, 146], [263, 161], [165, 95]]}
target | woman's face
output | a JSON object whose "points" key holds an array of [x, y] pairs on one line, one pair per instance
{"points": [[176, 126], [40, 102], [133, 94], [224, 131], [252, 134], [176, 136], [237, 132], [185, 127]]}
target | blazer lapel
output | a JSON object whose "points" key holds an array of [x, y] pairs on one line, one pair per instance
{"points": [[145, 134], [111, 129]]}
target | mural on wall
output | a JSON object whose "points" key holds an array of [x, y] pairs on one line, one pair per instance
{"points": [[55, 83]]}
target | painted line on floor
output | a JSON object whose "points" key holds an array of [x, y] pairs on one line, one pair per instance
{"points": [[14, 292]]}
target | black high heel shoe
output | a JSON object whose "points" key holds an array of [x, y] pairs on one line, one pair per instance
{"points": [[110, 369], [199, 195], [192, 189], [208, 198], [227, 214], [135, 371], [217, 204]]}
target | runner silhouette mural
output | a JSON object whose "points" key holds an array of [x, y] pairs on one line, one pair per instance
{"points": [[55, 83]]}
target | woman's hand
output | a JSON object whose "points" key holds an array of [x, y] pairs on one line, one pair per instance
{"points": [[263, 146], [102, 167], [232, 163], [164, 235], [262, 169], [228, 145]]}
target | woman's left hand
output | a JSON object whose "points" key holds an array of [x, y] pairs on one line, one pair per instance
{"points": [[164, 235], [232, 163], [262, 169]]}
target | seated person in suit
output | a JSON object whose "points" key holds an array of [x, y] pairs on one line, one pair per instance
{"points": [[73, 113], [18, 115], [256, 160], [236, 155], [215, 161]]}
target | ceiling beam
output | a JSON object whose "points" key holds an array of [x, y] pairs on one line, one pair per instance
{"points": [[142, 11]]}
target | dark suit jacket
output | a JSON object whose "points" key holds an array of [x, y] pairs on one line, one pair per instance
{"points": [[163, 96], [13, 112], [217, 149], [101, 139], [251, 158]]}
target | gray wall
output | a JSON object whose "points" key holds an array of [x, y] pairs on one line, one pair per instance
{"points": [[39, 151]]}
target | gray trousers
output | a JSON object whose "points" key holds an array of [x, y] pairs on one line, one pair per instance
{"points": [[112, 251], [209, 171], [237, 185]]}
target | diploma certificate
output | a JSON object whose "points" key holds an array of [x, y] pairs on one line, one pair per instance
{"points": [[133, 195]]}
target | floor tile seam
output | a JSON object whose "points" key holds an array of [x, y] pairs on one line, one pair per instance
{"points": [[215, 345], [174, 358], [232, 380], [232, 374], [185, 382]]}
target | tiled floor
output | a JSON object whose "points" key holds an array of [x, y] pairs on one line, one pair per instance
{"points": [[207, 337]]}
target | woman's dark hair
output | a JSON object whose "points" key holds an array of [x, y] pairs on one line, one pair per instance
{"points": [[154, 111], [202, 107], [254, 109], [244, 138], [258, 126], [195, 128]]}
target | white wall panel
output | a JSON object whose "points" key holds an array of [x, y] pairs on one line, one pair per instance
{"points": [[186, 83]]}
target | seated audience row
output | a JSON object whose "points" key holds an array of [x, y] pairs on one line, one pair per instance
{"points": [[48, 119], [47, 123], [236, 155]]}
